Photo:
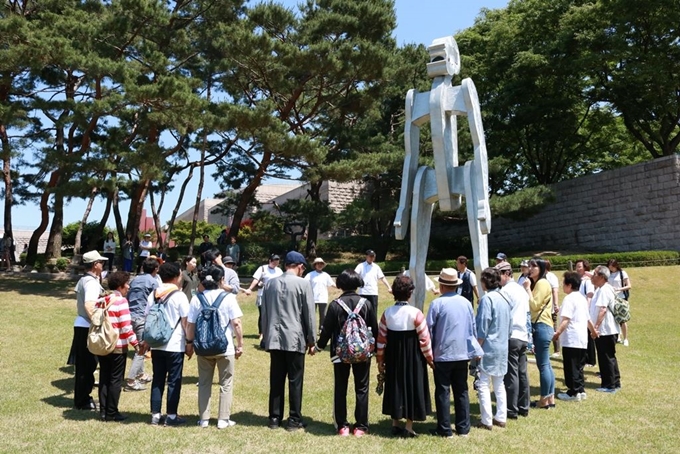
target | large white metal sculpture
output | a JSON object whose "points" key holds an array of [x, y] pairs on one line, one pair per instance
{"points": [[422, 186]]}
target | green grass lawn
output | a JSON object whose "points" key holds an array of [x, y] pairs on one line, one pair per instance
{"points": [[36, 392]]}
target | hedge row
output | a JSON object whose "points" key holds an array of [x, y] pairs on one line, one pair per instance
{"points": [[559, 262]]}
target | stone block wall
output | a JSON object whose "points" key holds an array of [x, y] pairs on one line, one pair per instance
{"points": [[627, 209]]}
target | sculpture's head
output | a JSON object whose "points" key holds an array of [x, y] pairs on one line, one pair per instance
{"points": [[444, 57]]}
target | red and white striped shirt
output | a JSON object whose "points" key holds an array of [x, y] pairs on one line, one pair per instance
{"points": [[119, 316], [403, 317]]}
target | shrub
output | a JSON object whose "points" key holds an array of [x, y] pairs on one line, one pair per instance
{"points": [[62, 264]]}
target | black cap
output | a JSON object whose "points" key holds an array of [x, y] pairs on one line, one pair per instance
{"points": [[370, 252], [274, 257]]}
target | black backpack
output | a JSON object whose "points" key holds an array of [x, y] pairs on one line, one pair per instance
{"points": [[210, 338], [466, 288]]}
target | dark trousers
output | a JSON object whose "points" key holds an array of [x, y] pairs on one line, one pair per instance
{"points": [[373, 299], [140, 262], [166, 366], [86, 364], [111, 257], [591, 354], [517, 379], [361, 372], [573, 361], [111, 373], [452, 375], [609, 366], [291, 365]]}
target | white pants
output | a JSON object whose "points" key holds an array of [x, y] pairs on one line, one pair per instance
{"points": [[484, 394]]}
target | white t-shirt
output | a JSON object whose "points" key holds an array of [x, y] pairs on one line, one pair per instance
{"points": [[429, 284], [552, 279], [320, 282], [176, 307], [264, 273], [516, 294], [586, 287], [145, 252], [371, 274], [575, 308], [229, 310], [603, 297], [616, 280], [110, 246], [521, 279], [87, 290]]}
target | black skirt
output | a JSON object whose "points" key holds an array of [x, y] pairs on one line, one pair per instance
{"points": [[407, 389]]}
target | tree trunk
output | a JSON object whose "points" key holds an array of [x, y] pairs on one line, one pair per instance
{"points": [[54, 241], [83, 221], [248, 194], [171, 222], [32, 253], [99, 232], [137, 199], [119, 220], [313, 228], [199, 195], [156, 220], [7, 177]]}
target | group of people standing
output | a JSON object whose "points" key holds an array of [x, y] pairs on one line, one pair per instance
{"points": [[511, 320]]}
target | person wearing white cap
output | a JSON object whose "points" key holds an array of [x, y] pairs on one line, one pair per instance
{"points": [[320, 281], [88, 291]]}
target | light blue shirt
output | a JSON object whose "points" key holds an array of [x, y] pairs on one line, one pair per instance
{"points": [[494, 325], [452, 324]]}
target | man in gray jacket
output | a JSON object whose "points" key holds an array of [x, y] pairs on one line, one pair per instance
{"points": [[288, 330]]}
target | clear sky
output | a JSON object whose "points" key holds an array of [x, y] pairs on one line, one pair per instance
{"points": [[418, 21]]}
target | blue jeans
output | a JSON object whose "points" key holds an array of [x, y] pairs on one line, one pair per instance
{"points": [[166, 366], [542, 338]]}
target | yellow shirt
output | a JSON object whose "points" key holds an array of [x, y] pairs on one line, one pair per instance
{"points": [[540, 298]]}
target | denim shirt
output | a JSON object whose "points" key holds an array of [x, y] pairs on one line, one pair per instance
{"points": [[451, 323], [140, 288], [494, 325]]}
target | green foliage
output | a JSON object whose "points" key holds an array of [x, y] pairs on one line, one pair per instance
{"points": [[522, 204], [625, 259], [181, 232], [90, 233], [62, 264]]}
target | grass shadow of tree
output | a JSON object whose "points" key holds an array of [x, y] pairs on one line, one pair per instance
{"points": [[26, 286]]}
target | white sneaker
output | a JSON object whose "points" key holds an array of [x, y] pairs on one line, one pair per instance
{"points": [[625, 342], [224, 423], [583, 396], [203, 423], [567, 397]]}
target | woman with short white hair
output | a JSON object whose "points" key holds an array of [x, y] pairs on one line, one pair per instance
{"points": [[605, 330]]}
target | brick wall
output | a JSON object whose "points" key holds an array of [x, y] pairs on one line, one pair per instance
{"points": [[627, 209]]}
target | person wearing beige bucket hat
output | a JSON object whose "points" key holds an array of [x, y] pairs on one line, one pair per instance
{"points": [[321, 282], [451, 321]]}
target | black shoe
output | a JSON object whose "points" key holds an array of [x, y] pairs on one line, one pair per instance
{"points": [[293, 426], [91, 406], [512, 416], [117, 418], [397, 431], [436, 433], [174, 422], [274, 423], [524, 415]]}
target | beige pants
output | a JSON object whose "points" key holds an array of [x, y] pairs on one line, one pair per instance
{"points": [[206, 370]]}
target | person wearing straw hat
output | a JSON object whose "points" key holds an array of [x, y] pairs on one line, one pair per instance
{"points": [[452, 329], [320, 281]]}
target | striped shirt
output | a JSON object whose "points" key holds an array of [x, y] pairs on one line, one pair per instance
{"points": [[119, 316], [403, 317]]}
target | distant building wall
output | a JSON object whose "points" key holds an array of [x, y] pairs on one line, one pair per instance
{"points": [[628, 209]]}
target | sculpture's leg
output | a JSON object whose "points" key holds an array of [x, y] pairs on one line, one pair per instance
{"points": [[480, 248], [482, 210], [424, 197], [411, 145]]}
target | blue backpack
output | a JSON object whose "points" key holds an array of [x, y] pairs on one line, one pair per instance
{"points": [[157, 329], [210, 338]]}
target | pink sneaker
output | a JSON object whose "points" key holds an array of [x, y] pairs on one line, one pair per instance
{"points": [[359, 432], [344, 432]]}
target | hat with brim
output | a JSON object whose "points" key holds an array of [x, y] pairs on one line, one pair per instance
{"points": [[318, 260], [147, 235], [228, 260], [501, 256], [524, 263], [93, 256], [370, 252], [503, 266], [449, 276]]}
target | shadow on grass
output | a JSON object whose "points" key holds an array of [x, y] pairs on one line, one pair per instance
{"points": [[26, 286]]}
